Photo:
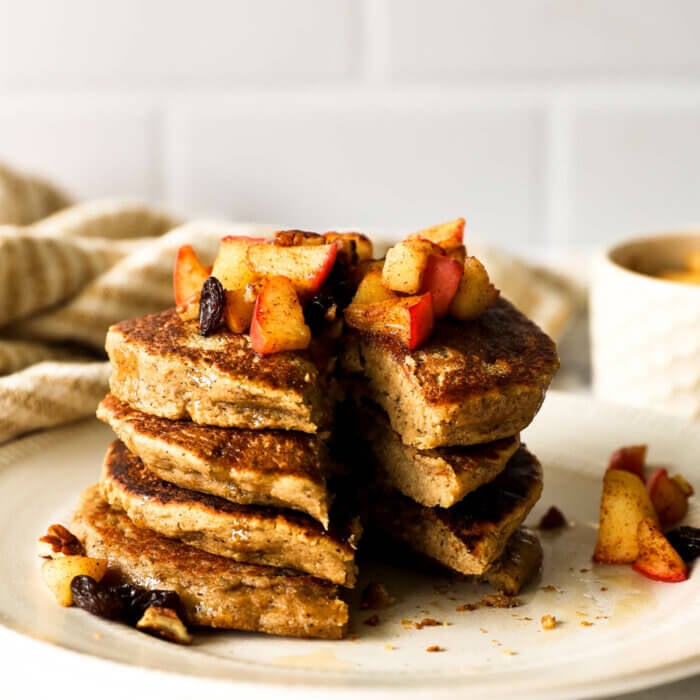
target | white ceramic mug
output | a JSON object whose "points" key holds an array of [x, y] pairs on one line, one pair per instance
{"points": [[645, 331]]}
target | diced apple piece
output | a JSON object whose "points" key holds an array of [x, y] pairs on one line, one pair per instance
{"points": [[188, 274], [624, 504], [278, 318], [361, 244], [231, 266], [667, 497], [459, 253], [406, 319], [189, 309], [238, 310], [657, 559], [405, 263], [58, 574], [447, 235], [372, 290], [475, 294], [630, 459], [291, 238], [682, 482], [441, 278], [305, 266]]}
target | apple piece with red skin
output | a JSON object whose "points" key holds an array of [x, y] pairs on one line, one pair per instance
{"points": [[278, 323], [441, 278], [667, 497], [372, 290], [630, 459], [231, 266], [306, 266], [408, 320], [448, 235], [657, 559], [188, 275]]}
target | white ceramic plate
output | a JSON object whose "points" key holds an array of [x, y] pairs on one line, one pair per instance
{"points": [[617, 631]]}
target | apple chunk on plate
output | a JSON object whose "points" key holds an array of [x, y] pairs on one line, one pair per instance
{"points": [[624, 504], [278, 318], [306, 266], [667, 496], [657, 559], [630, 459], [188, 275], [406, 319]]}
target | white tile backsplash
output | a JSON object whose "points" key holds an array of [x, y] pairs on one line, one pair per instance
{"points": [[547, 123], [130, 43], [92, 147], [560, 39], [635, 168], [394, 163]]}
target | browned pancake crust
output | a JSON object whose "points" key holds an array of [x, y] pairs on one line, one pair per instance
{"points": [[440, 477], [472, 534], [215, 591], [264, 467], [254, 534], [469, 383], [163, 366], [519, 564]]}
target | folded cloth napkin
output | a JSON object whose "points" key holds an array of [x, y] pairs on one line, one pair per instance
{"points": [[25, 199], [66, 278]]}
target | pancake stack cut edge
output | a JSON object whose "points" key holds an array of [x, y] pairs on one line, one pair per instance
{"points": [[222, 486], [441, 427]]}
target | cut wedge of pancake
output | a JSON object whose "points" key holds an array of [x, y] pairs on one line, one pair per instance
{"points": [[215, 591], [440, 477], [470, 383], [252, 534], [264, 467], [471, 535], [163, 366]]}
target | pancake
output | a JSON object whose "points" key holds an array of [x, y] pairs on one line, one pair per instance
{"points": [[215, 591], [252, 534], [471, 535], [161, 365], [265, 467], [440, 477], [470, 383]]}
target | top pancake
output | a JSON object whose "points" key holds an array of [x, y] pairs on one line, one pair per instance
{"points": [[161, 365], [470, 383]]}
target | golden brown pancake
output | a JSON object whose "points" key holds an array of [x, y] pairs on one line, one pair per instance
{"points": [[215, 591], [470, 383], [252, 534], [263, 467]]}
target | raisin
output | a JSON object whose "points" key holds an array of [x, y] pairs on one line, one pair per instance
{"points": [[136, 600], [330, 301], [90, 596], [211, 306], [686, 541]]}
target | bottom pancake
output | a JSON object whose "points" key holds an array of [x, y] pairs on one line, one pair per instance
{"points": [[215, 591], [471, 535]]}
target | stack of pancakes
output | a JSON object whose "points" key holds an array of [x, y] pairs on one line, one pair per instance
{"points": [[218, 485], [441, 424]]}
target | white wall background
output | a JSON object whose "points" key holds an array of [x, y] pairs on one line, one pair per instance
{"points": [[547, 123]]}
